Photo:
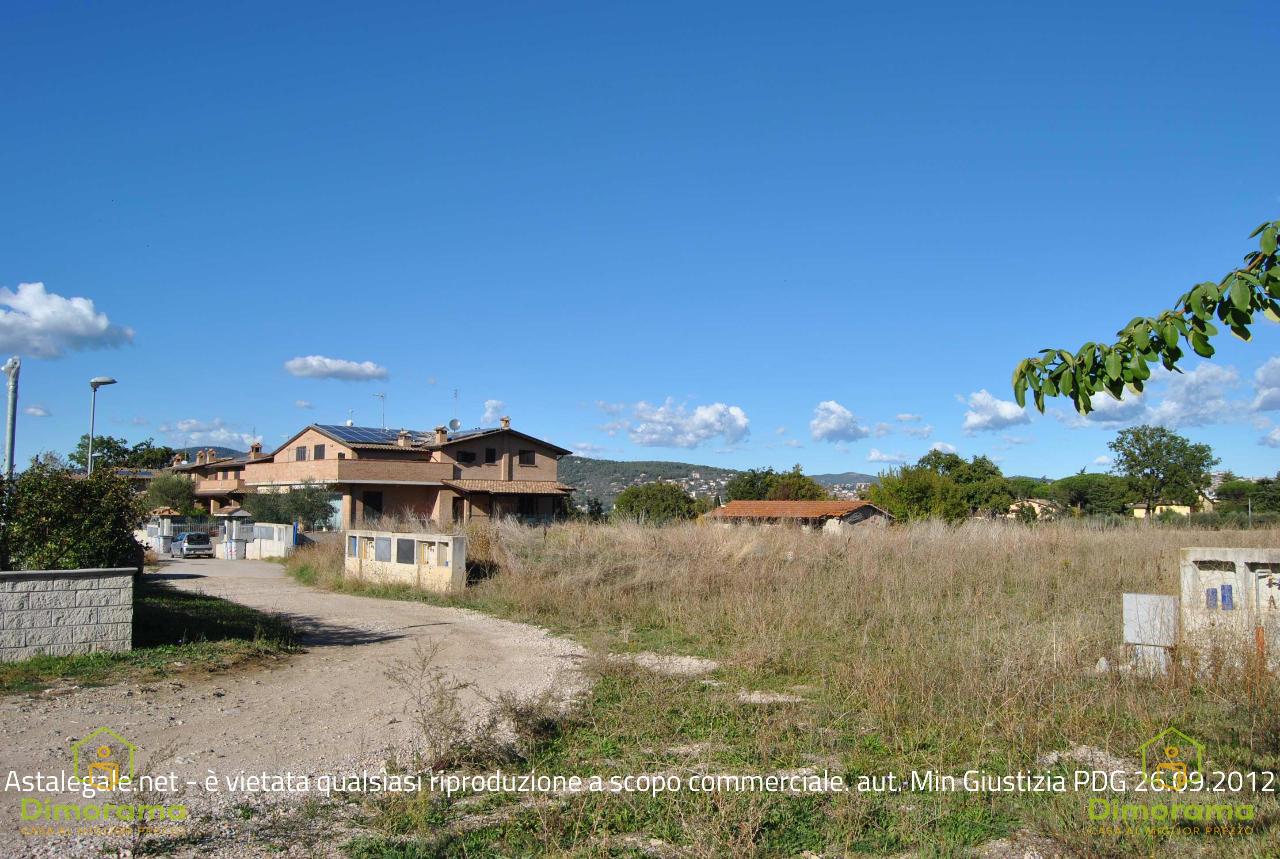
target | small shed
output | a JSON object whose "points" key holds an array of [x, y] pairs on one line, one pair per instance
{"points": [[828, 515]]}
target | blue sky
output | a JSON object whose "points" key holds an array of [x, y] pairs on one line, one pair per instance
{"points": [[739, 234]]}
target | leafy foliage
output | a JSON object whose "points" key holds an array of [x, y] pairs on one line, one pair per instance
{"points": [[751, 485], [112, 452], [1161, 465], [56, 519], [1092, 494], [760, 484], [1234, 301], [1239, 496], [654, 503], [169, 489], [308, 505], [916, 492]]}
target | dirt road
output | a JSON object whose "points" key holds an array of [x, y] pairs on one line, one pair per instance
{"points": [[330, 709]]}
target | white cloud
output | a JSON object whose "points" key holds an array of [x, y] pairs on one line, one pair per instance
{"points": [[611, 408], [780, 431], [320, 367], [907, 417], [877, 455], [36, 411], [493, 410], [1015, 439], [1104, 461], [943, 447], [919, 432], [883, 429], [586, 448], [833, 422], [1196, 398], [191, 432], [47, 325], [303, 404], [1271, 439], [791, 442], [1266, 381], [987, 413], [673, 425]]}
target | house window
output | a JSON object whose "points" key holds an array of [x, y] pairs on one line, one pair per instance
{"points": [[526, 457], [300, 453], [466, 456], [527, 505], [404, 551], [490, 455], [382, 549], [341, 455], [317, 452], [351, 546]]}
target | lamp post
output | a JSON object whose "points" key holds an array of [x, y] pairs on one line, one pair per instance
{"points": [[95, 383], [11, 368]]}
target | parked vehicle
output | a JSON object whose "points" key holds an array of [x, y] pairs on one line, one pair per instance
{"points": [[191, 544]]}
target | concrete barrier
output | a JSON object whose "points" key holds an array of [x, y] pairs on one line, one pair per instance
{"points": [[62, 612]]}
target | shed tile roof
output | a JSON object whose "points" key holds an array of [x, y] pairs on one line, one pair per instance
{"points": [[787, 509], [509, 487]]}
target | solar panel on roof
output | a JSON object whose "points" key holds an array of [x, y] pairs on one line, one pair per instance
{"points": [[365, 435]]}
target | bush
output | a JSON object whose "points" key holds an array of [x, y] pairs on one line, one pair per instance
{"points": [[55, 519], [175, 491], [654, 504]]}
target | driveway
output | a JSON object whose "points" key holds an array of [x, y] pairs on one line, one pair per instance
{"points": [[330, 709]]}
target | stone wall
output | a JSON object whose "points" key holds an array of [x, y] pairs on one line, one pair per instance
{"points": [[61, 612]]}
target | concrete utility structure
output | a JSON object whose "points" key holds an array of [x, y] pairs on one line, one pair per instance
{"points": [[827, 515], [445, 476], [431, 562], [1231, 601]]}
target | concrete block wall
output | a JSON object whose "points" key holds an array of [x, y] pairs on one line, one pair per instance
{"points": [[62, 612]]}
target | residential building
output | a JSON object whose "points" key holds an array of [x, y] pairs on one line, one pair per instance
{"points": [[445, 476], [828, 515], [220, 480]]}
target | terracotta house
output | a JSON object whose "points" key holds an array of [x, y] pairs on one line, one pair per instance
{"points": [[219, 480], [445, 476], [827, 515]]}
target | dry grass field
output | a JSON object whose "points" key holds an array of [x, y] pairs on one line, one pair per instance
{"points": [[894, 648]]}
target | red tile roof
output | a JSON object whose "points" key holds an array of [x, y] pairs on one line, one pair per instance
{"points": [[788, 509], [509, 487]]}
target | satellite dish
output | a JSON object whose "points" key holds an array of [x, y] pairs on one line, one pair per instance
{"points": [[350, 422], [455, 424]]}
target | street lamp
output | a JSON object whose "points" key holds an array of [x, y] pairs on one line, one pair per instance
{"points": [[96, 382]]}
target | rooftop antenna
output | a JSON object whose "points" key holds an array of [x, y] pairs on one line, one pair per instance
{"points": [[455, 424], [382, 395], [351, 419]]}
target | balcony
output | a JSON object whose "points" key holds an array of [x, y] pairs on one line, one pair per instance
{"points": [[337, 471], [208, 487]]}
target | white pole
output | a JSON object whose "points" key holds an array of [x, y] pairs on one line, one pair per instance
{"points": [[11, 367], [93, 408]]}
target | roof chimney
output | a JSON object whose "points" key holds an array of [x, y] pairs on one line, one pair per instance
{"points": [[200, 457], [442, 435], [403, 439], [506, 422], [179, 459], [255, 450], [213, 454]]}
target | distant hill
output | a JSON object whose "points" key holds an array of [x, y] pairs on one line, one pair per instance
{"points": [[605, 478], [845, 478]]}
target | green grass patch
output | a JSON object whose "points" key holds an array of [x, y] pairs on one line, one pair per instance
{"points": [[173, 631]]}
